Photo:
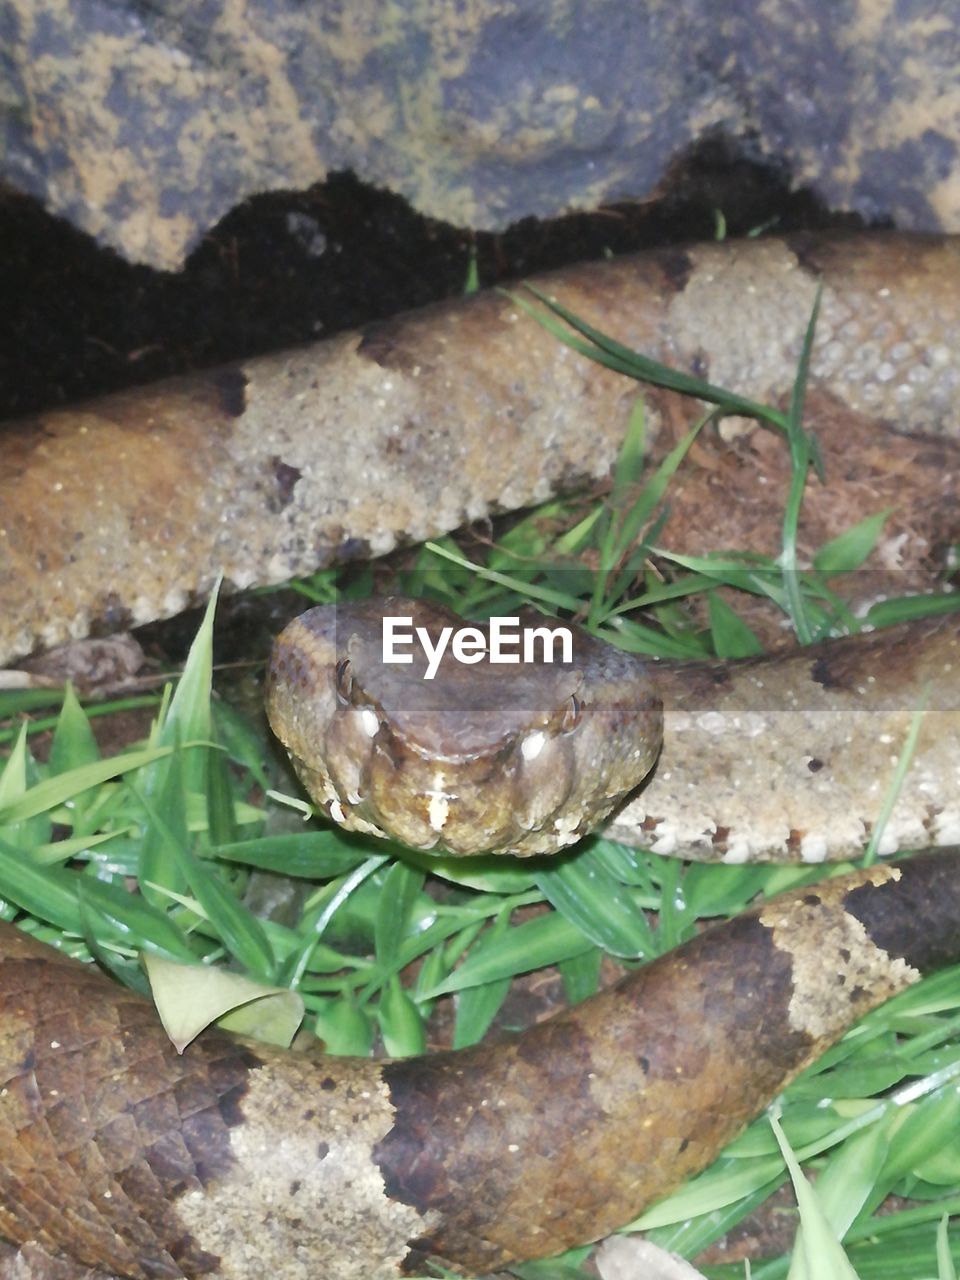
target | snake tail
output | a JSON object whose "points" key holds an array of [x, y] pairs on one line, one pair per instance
{"points": [[235, 1160]]}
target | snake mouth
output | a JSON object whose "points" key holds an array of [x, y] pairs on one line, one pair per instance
{"points": [[463, 803], [526, 796]]}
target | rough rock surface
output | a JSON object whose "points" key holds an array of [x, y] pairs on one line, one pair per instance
{"points": [[144, 123]]}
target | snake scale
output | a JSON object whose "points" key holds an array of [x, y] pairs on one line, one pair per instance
{"points": [[238, 1161]]}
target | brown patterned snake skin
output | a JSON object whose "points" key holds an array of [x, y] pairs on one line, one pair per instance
{"points": [[127, 508], [237, 1161]]}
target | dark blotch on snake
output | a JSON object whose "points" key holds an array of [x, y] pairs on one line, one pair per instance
{"points": [[231, 388]]}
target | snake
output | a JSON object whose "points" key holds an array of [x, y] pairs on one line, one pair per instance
{"points": [[237, 1160], [786, 757]]}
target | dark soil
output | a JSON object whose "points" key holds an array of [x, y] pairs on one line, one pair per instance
{"points": [[291, 267]]}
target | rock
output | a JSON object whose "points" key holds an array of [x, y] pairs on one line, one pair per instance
{"points": [[144, 123]]}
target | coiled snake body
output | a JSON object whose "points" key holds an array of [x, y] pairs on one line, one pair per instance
{"points": [[785, 757], [238, 1161]]}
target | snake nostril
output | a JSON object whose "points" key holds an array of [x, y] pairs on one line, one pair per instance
{"points": [[344, 680], [573, 714]]}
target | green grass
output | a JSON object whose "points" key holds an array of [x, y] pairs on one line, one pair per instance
{"points": [[191, 812]]}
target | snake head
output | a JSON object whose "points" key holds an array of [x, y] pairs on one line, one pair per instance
{"points": [[444, 748]]}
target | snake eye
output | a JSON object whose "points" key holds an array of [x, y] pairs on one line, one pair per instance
{"points": [[572, 715], [344, 680], [370, 721]]}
